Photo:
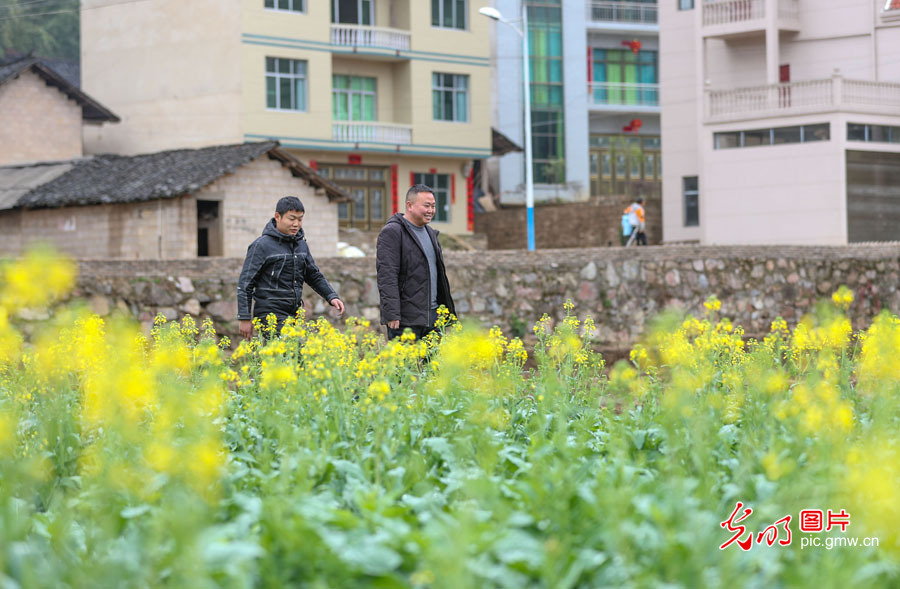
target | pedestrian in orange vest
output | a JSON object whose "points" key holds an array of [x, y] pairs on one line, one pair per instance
{"points": [[635, 217]]}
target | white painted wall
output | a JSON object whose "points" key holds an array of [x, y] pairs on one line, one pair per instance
{"points": [[780, 194], [679, 121]]}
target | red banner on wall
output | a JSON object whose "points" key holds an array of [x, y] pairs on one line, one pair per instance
{"points": [[470, 200], [453, 189], [394, 197]]}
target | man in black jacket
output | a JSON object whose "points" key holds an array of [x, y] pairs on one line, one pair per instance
{"points": [[277, 264], [412, 280]]}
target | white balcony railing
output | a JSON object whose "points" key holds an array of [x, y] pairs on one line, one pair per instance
{"points": [[357, 132], [621, 12], [834, 94], [726, 12], [375, 37], [623, 94]]}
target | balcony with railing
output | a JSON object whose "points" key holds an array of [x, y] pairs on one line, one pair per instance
{"points": [[835, 94], [623, 97], [723, 18], [362, 36], [371, 132], [610, 15]]}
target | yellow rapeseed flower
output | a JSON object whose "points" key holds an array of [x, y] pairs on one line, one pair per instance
{"points": [[37, 279], [712, 303], [842, 297]]}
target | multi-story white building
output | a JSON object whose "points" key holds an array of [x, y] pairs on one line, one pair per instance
{"points": [[780, 121], [594, 98]]}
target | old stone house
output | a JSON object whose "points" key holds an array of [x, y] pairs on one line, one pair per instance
{"points": [[43, 111], [172, 204]]}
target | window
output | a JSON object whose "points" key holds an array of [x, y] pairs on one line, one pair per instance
{"points": [[621, 77], [777, 135], [691, 201], [449, 14], [727, 140], [450, 95], [285, 84], [353, 98], [352, 12], [685, 4], [287, 5], [547, 146], [757, 137], [820, 132], [547, 92], [440, 184], [873, 133]]}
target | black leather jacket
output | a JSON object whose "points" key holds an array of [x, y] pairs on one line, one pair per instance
{"points": [[274, 271]]}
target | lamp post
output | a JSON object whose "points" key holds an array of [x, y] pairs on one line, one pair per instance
{"points": [[494, 14]]}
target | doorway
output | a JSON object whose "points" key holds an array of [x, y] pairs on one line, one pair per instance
{"points": [[209, 229]]}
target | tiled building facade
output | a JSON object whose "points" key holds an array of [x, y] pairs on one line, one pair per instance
{"points": [[594, 98]]}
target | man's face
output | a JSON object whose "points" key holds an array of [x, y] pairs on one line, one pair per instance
{"points": [[290, 222], [420, 210]]}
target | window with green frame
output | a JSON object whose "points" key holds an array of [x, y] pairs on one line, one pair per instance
{"points": [[450, 97], [448, 14], [285, 84], [440, 184], [352, 12], [285, 5], [547, 93], [353, 98], [621, 77]]}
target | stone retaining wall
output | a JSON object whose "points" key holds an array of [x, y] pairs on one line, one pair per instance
{"points": [[621, 288]]}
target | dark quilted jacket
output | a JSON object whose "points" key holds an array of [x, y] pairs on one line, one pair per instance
{"points": [[274, 271], [403, 280]]}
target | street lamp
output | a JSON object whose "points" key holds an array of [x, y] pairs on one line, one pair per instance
{"points": [[494, 14]]}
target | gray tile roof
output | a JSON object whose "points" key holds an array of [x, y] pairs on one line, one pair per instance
{"points": [[16, 181], [61, 76], [108, 179]]}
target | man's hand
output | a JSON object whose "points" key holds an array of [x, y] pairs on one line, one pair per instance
{"points": [[245, 326], [395, 324], [339, 305]]}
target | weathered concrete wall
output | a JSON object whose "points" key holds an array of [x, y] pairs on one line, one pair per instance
{"points": [[37, 122], [250, 196], [621, 288], [597, 223]]}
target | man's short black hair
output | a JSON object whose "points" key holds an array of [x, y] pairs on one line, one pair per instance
{"points": [[639, 200], [415, 190], [289, 203]]}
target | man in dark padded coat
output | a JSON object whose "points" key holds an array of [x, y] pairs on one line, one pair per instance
{"points": [[412, 280], [278, 262]]}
